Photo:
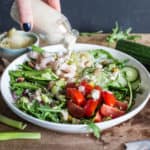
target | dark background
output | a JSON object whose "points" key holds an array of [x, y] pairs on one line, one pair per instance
{"points": [[94, 15]]}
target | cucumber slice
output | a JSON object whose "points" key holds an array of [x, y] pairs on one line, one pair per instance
{"points": [[114, 84], [136, 84], [121, 80], [131, 73]]}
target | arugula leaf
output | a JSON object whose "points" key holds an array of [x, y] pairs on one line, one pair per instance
{"points": [[118, 34], [41, 111], [19, 91], [95, 129]]}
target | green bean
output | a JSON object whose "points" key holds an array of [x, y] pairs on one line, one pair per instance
{"points": [[26, 85]]}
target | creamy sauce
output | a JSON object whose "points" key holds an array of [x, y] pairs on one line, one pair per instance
{"points": [[14, 39]]}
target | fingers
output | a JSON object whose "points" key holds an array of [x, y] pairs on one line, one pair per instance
{"points": [[55, 4], [25, 12]]}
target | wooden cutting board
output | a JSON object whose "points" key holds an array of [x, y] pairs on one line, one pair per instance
{"points": [[137, 128]]}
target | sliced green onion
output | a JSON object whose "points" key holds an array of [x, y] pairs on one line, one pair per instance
{"points": [[12, 123], [19, 135]]}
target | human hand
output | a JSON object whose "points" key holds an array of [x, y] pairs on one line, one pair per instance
{"points": [[25, 12]]}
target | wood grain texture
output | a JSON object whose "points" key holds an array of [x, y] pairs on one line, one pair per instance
{"points": [[135, 129]]}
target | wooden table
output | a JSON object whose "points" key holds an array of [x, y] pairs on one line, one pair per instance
{"points": [[135, 129]]}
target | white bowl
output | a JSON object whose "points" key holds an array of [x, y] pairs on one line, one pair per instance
{"points": [[140, 102]]}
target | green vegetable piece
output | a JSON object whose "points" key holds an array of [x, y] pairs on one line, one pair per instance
{"points": [[19, 135], [45, 99], [117, 34], [101, 54], [59, 85], [16, 73], [136, 84], [37, 49], [23, 103], [121, 80], [88, 70], [26, 85], [45, 74], [55, 90], [46, 109], [25, 66], [61, 97], [95, 129], [139, 51], [18, 91], [12, 123], [24, 99], [88, 33], [131, 73], [49, 75], [131, 96]]}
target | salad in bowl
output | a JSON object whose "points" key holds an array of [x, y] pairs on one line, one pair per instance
{"points": [[74, 88]]}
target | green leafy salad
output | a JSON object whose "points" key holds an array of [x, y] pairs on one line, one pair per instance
{"points": [[81, 87]]}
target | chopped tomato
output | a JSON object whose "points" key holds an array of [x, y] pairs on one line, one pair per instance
{"points": [[109, 98], [71, 85], [90, 107], [109, 111], [121, 105], [98, 88], [76, 96], [98, 117], [75, 110], [88, 87]]}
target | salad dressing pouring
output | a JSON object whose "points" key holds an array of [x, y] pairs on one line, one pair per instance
{"points": [[47, 21]]}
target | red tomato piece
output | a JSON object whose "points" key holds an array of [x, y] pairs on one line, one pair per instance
{"points": [[88, 87], [98, 88], [121, 105], [76, 96], [75, 110], [98, 117], [109, 98], [90, 107], [109, 111], [71, 85]]}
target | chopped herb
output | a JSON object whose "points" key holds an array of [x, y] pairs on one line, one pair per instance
{"points": [[118, 34]]}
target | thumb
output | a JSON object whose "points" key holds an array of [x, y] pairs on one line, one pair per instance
{"points": [[25, 12]]}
